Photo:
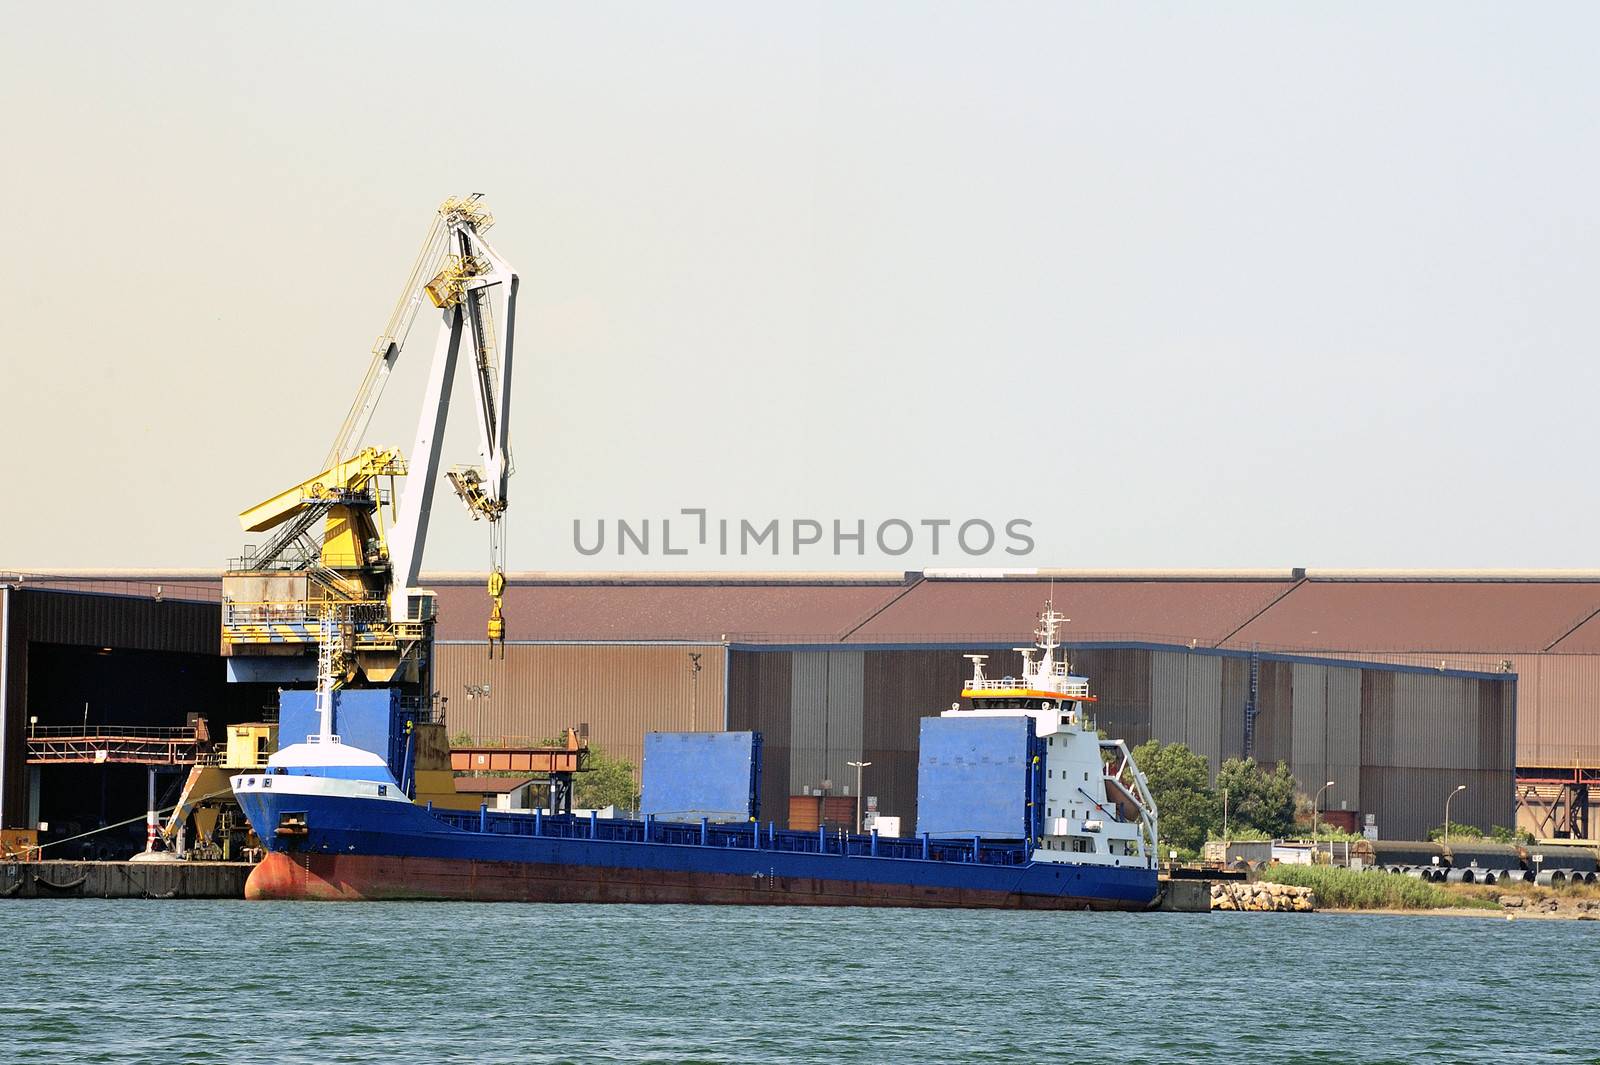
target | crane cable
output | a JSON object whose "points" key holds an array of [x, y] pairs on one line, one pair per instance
{"points": [[395, 332]]}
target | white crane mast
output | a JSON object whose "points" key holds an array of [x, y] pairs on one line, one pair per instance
{"points": [[475, 289]]}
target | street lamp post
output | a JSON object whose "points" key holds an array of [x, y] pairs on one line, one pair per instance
{"points": [[1459, 789], [1316, 805], [859, 766]]}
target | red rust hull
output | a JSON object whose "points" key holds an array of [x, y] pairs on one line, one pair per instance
{"points": [[371, 877]]}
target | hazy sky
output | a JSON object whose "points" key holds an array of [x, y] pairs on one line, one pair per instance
{"points": [[1182, 285]]}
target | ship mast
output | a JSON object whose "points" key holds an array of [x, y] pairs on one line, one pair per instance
{"points": [[1050, 620]]}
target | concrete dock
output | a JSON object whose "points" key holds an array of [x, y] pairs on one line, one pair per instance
{"points": [[1184, 895], [123, 880]]}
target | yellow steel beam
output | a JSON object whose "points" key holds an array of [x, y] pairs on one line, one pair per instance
{"points": [[350, 475]]}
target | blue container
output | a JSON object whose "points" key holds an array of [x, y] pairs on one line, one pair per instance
{"points": [[692, 775], [973, 779], [368, 718]]}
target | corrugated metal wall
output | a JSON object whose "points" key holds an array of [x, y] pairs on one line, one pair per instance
{"points": [[1423, 735], [1274, 733], [1169, 694], [1409, 801], [133, 623], [1308, 726], [1557, 724], [825, 722], [1565, 728], [838, 707], [1121, 679], [1343, 703], [1203, 697], [1326, 721], [760, 688], [620, 691]]}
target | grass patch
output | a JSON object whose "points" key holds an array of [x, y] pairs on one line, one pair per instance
{"points": [[1350, 889]]}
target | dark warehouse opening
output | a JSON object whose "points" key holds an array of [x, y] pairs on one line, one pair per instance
{"points": [[93, 690]]}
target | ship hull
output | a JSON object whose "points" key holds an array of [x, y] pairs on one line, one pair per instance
{"points": [[328, 877], [359, 849]]}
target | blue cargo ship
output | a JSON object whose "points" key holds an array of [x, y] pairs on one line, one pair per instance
{"points": [[1021, 805]]}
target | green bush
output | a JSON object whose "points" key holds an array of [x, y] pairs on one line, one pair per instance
{"points": [[1458, 830], [1180, 783], [1357, 889], [607, 782]]}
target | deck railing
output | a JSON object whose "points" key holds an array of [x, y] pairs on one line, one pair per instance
{"points": [[751, 836]]}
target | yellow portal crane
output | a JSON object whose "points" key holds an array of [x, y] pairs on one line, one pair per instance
{"points": [[351, 580]]}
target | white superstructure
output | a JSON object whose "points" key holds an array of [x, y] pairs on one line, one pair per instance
{"points": [[1097, 805]]}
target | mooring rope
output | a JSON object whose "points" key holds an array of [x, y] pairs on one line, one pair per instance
{"points": [[133, 820], [68, 886]]}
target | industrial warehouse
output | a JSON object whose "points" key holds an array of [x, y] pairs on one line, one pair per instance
{"points": [[1400, 688]]}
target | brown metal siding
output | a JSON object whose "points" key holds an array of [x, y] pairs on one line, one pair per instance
{"points": [[1558, 709], [759, 686], [899, 689], [1275, 713], [620, 691]]}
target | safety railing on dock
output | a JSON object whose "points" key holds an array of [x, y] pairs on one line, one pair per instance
{"points": [[97, 744], [752, 836]]}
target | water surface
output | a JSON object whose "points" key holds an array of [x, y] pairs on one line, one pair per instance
{"points": [[227, 982]]}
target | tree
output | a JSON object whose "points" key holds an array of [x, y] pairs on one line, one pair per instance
{"points": [[607, 782], [1180, 783], [1259, 801]]}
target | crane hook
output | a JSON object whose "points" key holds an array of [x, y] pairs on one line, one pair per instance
{"points": [[497, 621]]}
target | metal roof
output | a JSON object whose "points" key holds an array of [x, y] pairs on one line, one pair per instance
{"points": [[1428, 612], [1205, 611], [703, 611], [1431, 616]]}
